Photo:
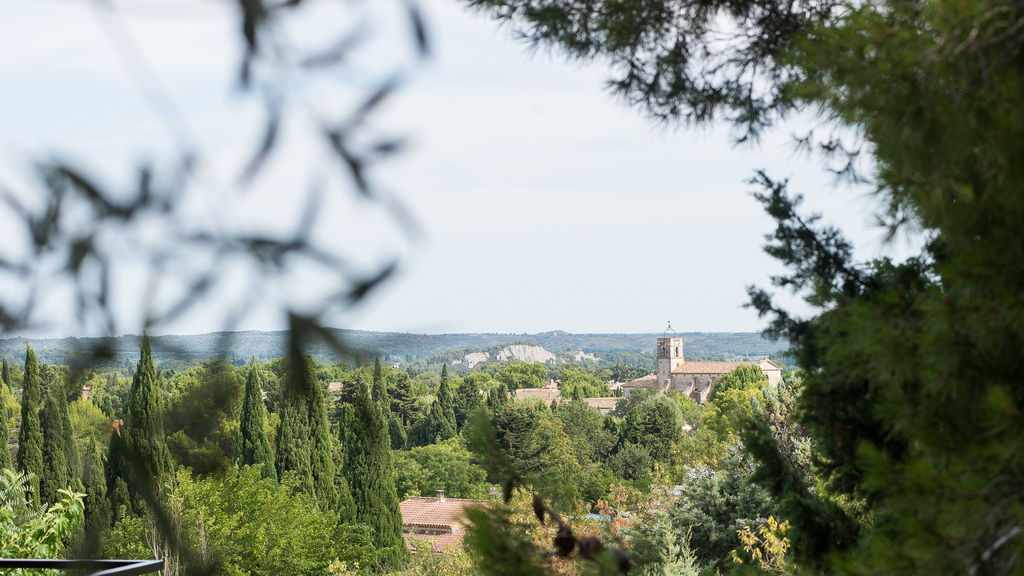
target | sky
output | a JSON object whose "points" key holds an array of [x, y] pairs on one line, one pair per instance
{"points": [[541, 203]]}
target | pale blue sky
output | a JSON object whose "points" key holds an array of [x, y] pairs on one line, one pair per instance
{"points": [[544, 204]]}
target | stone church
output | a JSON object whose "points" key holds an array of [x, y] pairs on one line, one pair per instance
{"points": [[692, 378]]}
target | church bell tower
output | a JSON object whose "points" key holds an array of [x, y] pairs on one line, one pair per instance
{"points": [[670, 356]]}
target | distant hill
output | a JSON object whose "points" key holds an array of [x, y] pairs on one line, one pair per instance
{"points": [[394, 347]]}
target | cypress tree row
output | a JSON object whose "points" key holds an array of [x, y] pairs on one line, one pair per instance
{"points": [[56, 474], [30, 436], [252, 447], [320, 449], [145, 456], [371, 476]]}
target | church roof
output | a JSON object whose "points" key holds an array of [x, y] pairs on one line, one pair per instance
{"points": [[708, 367]]}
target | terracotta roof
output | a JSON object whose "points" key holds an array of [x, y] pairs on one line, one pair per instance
{"points": [[607, 403], [543, 393], [642, 382], [422, 513], [335, 386]]}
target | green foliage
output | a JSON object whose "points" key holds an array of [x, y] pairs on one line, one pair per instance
{"points": [[742, 378], [202, 416], [655, 424], [578, 384], [293, 447], [518, 375], [252, 447], [5, 428], [144, 454], [28, 530], [403, 400], [252, 525], [98, 514], [446, 401], [370, 475], [715, 505], [56, 472], [444, 466], [468, 396], [320, 449], [585, 425], [30, 435]]}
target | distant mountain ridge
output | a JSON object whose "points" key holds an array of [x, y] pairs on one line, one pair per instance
{"points": [[395, 347]]}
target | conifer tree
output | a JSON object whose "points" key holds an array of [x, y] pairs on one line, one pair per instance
{"points": [[146, 458], [71, 453], [439, 426], [30, 436], [399, 438], [116, 472], [498, 397], [5, 429], [97, 507], [320, 449], [380, 389], [466, 398], [445, 399], [252, 447], [293, 449], [371, 476], [5, 374], [56, 474], [403, 401]]}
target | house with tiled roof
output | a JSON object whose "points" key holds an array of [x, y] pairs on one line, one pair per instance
{"points": [[438, 521], [693, 378]]}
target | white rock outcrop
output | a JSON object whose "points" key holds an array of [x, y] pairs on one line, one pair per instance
{"points": [[526, 353]]}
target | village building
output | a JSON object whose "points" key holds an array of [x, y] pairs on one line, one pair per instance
{"points": [[436, 521], [693, 378]]}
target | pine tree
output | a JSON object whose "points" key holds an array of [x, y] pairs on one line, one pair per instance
{"points": [[445, 400], [252, 447], [30, 436], [371, 476], [56, 474], [146, 458], [320, 449]]}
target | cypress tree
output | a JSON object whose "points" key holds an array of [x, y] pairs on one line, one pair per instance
{"points": [[116, 471], [371, 476], [146, 458], [403, 401], [467, 398], [30, 436], [320, 449], [56, 474], [97, 507], [252, 447], [71, 453], [293, 447], [5, 374], [399, 438], [445, 400], [5, 430], [440, 428], [380, 389]]}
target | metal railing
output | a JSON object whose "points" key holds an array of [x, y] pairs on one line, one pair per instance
{"points": [[92, 567]]}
